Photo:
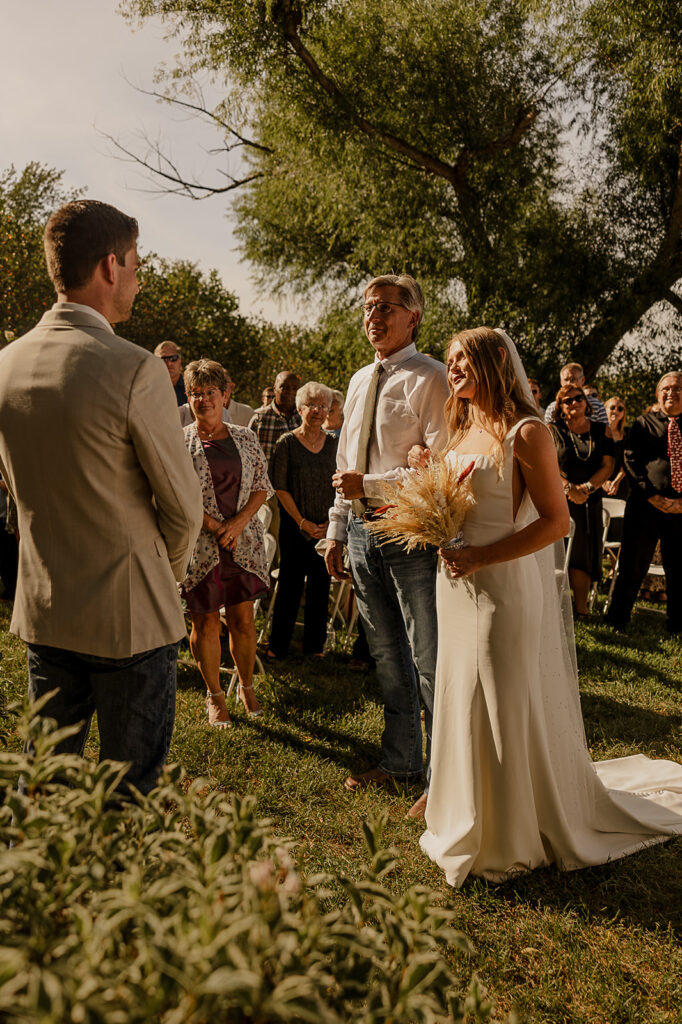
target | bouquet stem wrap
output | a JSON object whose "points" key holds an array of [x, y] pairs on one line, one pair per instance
{"points": [[427, 507]]}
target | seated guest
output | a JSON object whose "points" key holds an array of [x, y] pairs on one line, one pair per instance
{"points": [[334, 420], [585, 452], [653, 462], [573, 373], [301, 469], [228, 567], [172, 357], [617, 486], [280, 416]]}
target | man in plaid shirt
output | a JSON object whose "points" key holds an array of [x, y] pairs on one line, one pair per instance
{"points": [[280, 416]]}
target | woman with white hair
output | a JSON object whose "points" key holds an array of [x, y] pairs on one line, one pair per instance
{"points": [[334, 420], [301, 471]]}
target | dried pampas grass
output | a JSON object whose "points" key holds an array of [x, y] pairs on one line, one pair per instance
{"points": [[427, 507]]}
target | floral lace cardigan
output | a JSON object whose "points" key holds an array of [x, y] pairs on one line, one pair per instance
{"points": [[249, 551]]}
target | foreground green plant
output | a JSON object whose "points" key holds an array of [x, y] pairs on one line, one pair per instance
{"points": [[183, 907]]}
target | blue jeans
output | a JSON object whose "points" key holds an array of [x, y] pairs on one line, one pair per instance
{"points": [[396, 595], [134, 699]]}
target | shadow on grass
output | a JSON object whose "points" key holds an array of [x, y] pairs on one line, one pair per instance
{"points": [[644, 889], [617, 722]]}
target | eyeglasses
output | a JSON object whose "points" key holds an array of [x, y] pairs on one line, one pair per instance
{"points": [[574, 398], [670, 391], [286, 391], [209, 393], [170, 359], [315, 407], [383, 308], [615, 408]]}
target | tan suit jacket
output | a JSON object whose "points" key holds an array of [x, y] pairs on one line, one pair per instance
{"points": [[109, 504]]}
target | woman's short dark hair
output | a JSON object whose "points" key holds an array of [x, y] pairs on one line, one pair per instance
{"points": [[79, 235], [564, 392], [205, 373]]}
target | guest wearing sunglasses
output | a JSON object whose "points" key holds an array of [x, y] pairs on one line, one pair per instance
{"points": [[617, 486], [586, 459], [172, 357]]}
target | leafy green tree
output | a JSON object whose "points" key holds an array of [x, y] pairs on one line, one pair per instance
{"points": [[27, 199], [179, 302], [434, 138]]}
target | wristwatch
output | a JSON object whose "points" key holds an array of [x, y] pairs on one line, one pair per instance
{"points": [[589, 486]]}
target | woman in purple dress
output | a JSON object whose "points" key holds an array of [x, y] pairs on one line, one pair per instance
{"points": [[228, 568]]}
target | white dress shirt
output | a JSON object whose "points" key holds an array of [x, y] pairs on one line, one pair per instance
{"points": [[410, 410], [80, 307]]}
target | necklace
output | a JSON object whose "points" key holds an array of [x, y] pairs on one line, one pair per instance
{"points": [[583, 458], [313, 445]]}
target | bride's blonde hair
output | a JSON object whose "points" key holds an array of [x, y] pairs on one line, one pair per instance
{"points": [[499, 394]]}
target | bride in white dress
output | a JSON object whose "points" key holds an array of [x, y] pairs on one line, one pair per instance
{"points": [[513, 786]]}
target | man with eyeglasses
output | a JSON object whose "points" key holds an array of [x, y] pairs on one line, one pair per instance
{"points": [[653, 461], [172, 357], [573, 373], [395, 402]]}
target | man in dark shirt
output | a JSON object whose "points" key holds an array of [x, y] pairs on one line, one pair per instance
{"points": [[653, 461], [172, 357], [280, 416]]}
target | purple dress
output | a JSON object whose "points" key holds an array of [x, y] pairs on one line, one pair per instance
{"points": [[226, 583]]}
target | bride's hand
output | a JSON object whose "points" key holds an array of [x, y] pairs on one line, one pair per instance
{"points": [[462, 561], [418, 456]]}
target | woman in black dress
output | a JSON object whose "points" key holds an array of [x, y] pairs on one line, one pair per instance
{"points": [[586, 460], [302, 467], [228, 568]]}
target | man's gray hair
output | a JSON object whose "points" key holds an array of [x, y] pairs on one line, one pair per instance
{"points": [[313, 390], [411, 294], [162, 345], [670, 373], [338, 398]]}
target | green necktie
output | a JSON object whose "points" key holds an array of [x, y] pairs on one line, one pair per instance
{"points": [[362, 459]]}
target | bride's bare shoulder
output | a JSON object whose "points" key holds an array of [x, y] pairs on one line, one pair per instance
{"points": [[533, 437]]}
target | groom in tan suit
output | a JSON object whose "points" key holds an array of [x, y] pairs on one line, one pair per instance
{"points": [[109, 505]]}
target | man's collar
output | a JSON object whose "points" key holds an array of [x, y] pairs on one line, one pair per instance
{"points": [[393, 360], [78, 307], [280, 413]]}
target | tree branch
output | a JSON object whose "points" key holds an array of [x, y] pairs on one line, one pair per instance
{"points": [[674, 299], [165, 168], [202, 110], [671, 239]]}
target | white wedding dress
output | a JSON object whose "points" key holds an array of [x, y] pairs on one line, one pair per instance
{"points": [[513, 786]]}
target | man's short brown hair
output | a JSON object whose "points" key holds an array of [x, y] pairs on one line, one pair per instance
{"points": [[80, 234]]}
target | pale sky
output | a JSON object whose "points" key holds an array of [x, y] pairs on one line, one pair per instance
{"points": [[62, 76]]}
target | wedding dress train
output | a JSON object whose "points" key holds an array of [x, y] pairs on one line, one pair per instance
{"points": [[513, 786]]}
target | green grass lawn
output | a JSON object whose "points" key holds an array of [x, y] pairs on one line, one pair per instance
{"points": [[598, 946]]}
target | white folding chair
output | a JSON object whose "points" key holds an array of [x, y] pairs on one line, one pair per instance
{"points": [[616, 510], [561, 575], [264, 513], [606, 522]]}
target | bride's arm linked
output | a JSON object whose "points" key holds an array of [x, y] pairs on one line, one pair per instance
{"points": [[536, 459]]}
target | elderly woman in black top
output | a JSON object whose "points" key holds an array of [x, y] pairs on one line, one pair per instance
{"points": [[301, 469], [585, 450]]}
